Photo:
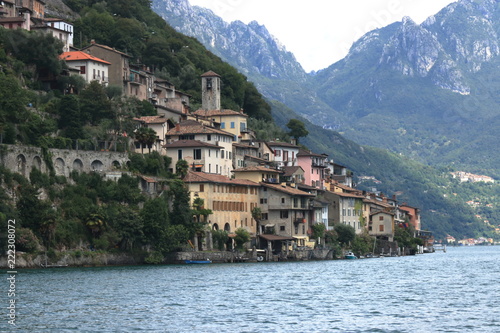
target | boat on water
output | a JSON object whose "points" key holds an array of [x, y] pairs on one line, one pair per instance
{"points": [[208, 261], [350, 255]]}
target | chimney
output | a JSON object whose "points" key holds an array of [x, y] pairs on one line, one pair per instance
{"points": [[177, 127], [92, 41]]}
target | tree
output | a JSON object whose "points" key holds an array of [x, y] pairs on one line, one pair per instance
{"points": [[181, 168], [318, 230], [96, 224], [155, 219], [345, 233], [70, 118], [242, 236], [95, 104], [220, 238], [145, 136], [297, 129]]}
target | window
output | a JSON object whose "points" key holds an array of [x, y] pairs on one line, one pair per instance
{"points": [[381, 228], [264, 216], [232, 124], [282, 200], [263, 201], [82, 69], [197, 154], [222, 154], [278, 152], [209, 137], [179, 154], [283, 214], [282, 228], [202, 187], [380, 218], [229, 155], [243, 126], [222, 125]]}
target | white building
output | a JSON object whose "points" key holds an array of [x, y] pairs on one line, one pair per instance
{"points": [[91, 68]]}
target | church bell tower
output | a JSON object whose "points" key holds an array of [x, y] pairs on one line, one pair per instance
{"points": [[210, 91]]}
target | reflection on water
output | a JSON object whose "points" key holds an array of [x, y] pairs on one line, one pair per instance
{"points": [[455, 291]]}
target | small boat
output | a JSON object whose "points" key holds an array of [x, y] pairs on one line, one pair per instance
{"points": [[208, 261], [350, 255]]}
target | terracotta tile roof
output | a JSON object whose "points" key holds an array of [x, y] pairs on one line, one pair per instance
{"points": [[107, 48], [346, 188], [152, 119], [287, 189], [210, 73], [190, 143], [79, 55], [378, 203], [148, 179], [281, 144], [202, 177], [303, 152], [12, 19], [256, 168], [348, 195], [224, 112], [290, 170], [275, 237], [382, 211], [194, 127], [242, 145]]}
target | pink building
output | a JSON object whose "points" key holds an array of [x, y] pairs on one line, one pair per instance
{"points": [[314, 166]]}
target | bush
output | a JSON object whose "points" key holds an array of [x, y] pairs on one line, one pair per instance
{"points": [[154, 258], [242, 236], [26, 240], [220, 238]]}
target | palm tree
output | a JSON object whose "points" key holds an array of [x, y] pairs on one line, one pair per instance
{"points": [[145, 136]]}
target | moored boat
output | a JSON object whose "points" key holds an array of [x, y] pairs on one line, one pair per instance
{"points": [[350, 255], [208, 261]]}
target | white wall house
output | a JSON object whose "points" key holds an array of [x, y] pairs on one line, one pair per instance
{"points": [[91, 68], [216, 147]]}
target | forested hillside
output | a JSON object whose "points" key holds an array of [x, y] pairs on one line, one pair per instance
{"points": [[85, 211]]}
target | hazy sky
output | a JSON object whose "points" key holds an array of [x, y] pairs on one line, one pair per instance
{"points": [[320, 32]]}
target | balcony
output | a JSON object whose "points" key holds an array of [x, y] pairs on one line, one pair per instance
{"points": [[300, 220]]}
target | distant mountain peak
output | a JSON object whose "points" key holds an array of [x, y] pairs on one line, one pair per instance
{"points": [[249, 47]]}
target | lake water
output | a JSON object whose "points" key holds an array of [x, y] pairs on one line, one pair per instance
{"points": [[457, 291]]}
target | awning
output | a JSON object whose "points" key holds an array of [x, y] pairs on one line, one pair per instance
{"points": [[269, 225], [275, 237], [300, 237]]}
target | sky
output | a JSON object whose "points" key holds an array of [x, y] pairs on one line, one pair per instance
{"points": [[320, 32]]}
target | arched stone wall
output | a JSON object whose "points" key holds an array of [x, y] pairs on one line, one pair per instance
{"points": [[60, 166], [21, 164], [97, 165], [77, 165], [22, 159], [37, 163]]}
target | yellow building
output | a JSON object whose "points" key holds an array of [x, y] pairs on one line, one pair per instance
{"points": [[257, 174], [231, 200]]}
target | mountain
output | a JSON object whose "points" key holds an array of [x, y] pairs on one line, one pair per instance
{"points": [[251, 49], [428, 91]]}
